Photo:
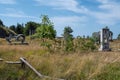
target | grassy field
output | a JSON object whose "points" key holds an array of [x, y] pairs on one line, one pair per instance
{"points": [[74, 66]]}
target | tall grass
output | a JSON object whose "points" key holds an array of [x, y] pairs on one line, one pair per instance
{"points": [[77, 66]]}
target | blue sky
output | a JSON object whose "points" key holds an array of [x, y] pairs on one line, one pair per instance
{"points": [[83, 16]]}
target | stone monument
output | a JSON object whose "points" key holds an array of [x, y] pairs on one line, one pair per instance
{"points": [[18, 39], [105, 37]]}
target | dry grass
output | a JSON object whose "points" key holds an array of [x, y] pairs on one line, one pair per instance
{"points": [[77, 66]]}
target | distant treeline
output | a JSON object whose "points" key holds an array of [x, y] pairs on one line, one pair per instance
{"points": [[28, 29], [44, 29]]}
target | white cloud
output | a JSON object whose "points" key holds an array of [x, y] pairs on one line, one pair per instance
{"points": [[7, 1], [11, 12], [71, 5], [108, 14], [69, 20], [15, 15]]}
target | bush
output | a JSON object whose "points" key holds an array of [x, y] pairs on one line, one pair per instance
{"points": [[85, 45]]}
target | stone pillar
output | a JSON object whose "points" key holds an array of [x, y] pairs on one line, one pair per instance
{"points": [[104, 40], [101, 40]]}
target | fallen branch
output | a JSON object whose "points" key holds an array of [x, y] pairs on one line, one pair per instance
{"points": [[33, 69], [23, 62]]}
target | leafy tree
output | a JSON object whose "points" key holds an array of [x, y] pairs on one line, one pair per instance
{"points": [[68, 37], [96, 37], [19, 28], [3, 32], [84, 36], [1, 23], [46, 29], [13, 27], [118, 37], [30, 28], [88, 37]]}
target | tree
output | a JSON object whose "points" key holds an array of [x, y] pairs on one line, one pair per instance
{"points": [[13, 27], [88, 37], [67, 33], [118, 37], [30, 28], [83, 36], [1, 23], [19, 28], [96, 37], [68, 37], [46, 29], [3, 32]]}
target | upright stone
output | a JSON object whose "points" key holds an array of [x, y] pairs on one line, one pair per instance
{"points": [[104, 39]]}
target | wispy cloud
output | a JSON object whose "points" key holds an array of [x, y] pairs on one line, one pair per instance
{"points": [[71, 5], [109, 13], [69, 20], [15, 15], [11, 12], [7, 1]]}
